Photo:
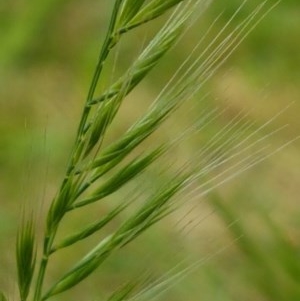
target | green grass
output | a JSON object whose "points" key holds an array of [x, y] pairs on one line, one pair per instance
{"points": [[134, 175]]}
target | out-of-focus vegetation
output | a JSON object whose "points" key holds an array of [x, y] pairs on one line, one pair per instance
{"points": [[247, 232]]}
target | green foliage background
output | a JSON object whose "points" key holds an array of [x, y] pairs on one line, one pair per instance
{"points": [[47, 54]]}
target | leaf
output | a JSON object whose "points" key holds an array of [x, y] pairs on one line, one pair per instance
{"points": [[26, 256]]}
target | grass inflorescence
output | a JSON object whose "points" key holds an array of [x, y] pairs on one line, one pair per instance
{"points": [[97, 171]]}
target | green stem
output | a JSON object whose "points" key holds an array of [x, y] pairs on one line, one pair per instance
{"points": [[109, 43], [43, 266], [40, 279]]}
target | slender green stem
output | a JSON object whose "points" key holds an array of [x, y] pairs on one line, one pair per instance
{"points": [[43, 267], [109, 43]]}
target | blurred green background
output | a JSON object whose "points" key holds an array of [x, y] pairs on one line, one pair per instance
{"points": [[248, 229]]}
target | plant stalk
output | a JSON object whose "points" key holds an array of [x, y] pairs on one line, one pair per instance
{"points": [[42, 269], [109, 43]]}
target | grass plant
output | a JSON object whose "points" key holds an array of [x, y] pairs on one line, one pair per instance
{"points": [[98, 170]]}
